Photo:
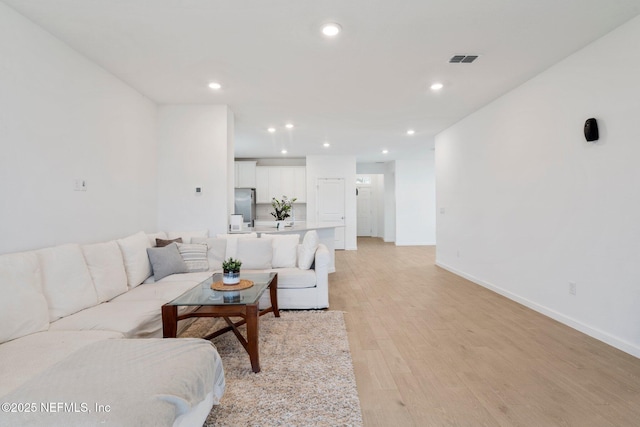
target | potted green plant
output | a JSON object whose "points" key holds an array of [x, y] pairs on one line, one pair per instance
{"points": [[231, 271], [282, 209]]}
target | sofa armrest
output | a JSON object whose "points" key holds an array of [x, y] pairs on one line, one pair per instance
{"points": [[322, 261]]}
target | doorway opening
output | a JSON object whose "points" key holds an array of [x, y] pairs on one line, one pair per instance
{"points": [[370, 205]]}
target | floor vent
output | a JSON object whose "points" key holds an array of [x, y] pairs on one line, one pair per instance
{"points": [[463, 59]]}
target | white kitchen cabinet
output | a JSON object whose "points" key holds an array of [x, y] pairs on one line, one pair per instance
{"points": [[262, 184], [287, 183], [245, 174], [300, 184], [275, 183], [278, 181]]}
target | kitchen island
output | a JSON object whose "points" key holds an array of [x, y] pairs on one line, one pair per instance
{"points": [[326, 233]]}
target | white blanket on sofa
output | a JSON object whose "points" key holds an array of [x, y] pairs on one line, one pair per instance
{"points": [[124, 382]]}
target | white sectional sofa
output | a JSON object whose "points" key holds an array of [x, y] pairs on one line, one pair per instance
{"points": [[71, 354], [72, 319], [302, 267]]}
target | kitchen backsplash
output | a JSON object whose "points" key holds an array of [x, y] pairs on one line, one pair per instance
{"points": [[263, 212]]}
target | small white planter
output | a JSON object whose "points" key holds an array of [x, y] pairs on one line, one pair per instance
{"points": [[231, 277]]}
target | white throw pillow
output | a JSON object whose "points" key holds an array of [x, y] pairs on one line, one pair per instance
{"points": [[255, 254], [66, 281], [107, 269], [284, 249], [136, 261], [23, 307], [307, 253], [195, 256], [187, 235], [216, 250]]}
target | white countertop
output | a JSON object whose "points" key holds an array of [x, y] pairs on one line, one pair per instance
{"points": [[298, 226]]}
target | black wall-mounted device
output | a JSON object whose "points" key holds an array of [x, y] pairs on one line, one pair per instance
{"points": [[591, 130]]}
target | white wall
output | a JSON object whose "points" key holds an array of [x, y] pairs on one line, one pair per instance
{"points": [[390, 202], [193, 144], [378, 189], [370, 168], [415, 198], [334, 167], [530, 206], [64, 118], [231, 175]]}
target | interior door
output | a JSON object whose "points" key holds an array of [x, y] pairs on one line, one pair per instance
{"points": [[331, 204], [365, 226]]}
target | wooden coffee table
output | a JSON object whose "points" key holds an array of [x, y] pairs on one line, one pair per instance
{"points": [[224, 304]]}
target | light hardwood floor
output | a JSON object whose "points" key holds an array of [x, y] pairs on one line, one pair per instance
{"points": [[430, 348]]}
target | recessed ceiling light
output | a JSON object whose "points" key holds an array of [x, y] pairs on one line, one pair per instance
{"points": [[411, 132], [271, 130], [331, 29], [385, 151], [215, 85], [437, 86], [326, 144], [284, 151], [289, 126]]}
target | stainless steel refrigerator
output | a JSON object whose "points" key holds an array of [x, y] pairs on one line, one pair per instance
{"points": [[245, 205]]}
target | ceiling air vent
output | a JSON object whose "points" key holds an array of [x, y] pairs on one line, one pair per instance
{"points": [[463, 59]]}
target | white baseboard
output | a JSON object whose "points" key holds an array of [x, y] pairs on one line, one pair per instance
{"points": [[605, 337], [415, 243]]}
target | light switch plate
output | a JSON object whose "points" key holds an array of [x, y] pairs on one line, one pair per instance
{"points": [[80, 185]]}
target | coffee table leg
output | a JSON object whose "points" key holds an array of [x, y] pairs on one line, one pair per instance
{"points": [[252, 336], [169, 321], [273, 294]]}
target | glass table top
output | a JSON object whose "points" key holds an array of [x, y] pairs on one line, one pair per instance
{"points": [[202, 294]]}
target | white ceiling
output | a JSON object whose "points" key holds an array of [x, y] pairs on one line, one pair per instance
{"points": [[360, 91]]}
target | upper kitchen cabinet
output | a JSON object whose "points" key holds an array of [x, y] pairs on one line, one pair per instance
{"points": [[278, 181], [300, 184], [262, 185], [245, 171]]}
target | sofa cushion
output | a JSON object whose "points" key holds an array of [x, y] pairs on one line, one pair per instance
{"points": [[139, 318], [255, 254], [216, 250], [232, 242], [193, 277], [153, 236], [294, 278], [145, 382], [285, 248], [23, 307], [136, 260], [195, 256], [106, 267], [66, 281], [43, 350], [187, 235], [166, 260], [165, 291], [307, 252]]}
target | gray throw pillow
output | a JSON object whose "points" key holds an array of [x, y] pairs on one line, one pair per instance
{"points": [[166, 260]]}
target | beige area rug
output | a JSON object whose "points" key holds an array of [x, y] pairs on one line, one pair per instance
{"points": [[306, 376]]}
